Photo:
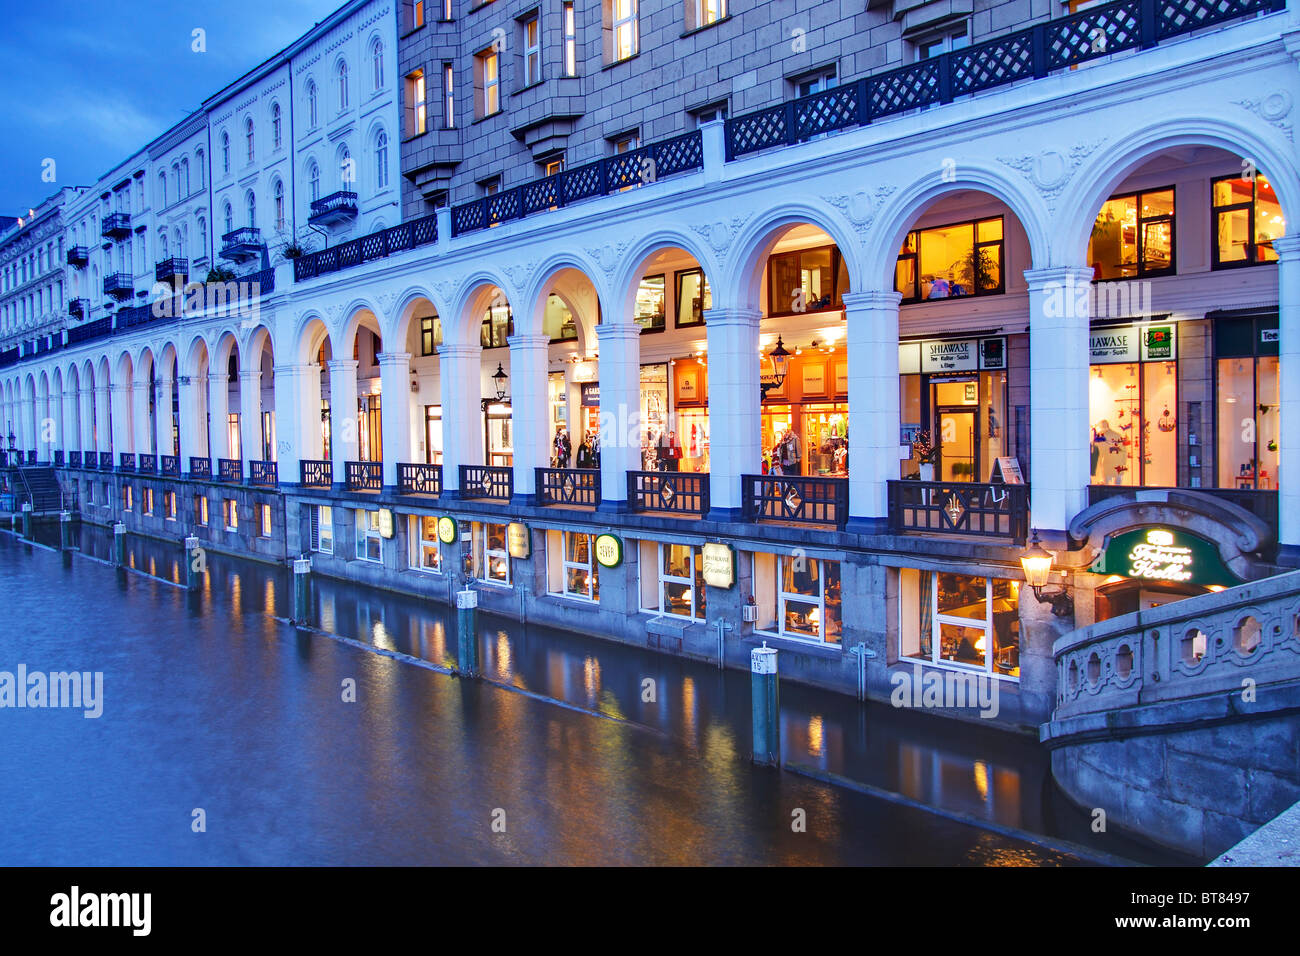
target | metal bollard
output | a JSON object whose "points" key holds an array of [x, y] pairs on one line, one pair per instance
{"points": [[65, 530], [27, 520], [193, 564], [467, 632], [302, 591], [119, 544], [767, 706]]}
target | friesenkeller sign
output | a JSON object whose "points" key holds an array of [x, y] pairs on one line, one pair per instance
{"points": [[1165, 554]]}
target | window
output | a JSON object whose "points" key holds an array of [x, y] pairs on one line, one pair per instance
{"points": [[185, 178], [377, 63], [960, 621], [127, 500], [1247, 401], [90, 492], [558, 322], [626, 143], [491, 558], [446, 9], [201, 510], [203, 238], [553, 167], [650, 310], [417, 118], [311, 104], [230, 513], [672, 580], [1247, 218], [498, 326], [621, 29], [225, 152], [313, 181], [278, 193], [275, 126], [369, 543], [702, 13], [570, 28], [264, 521], [806, 280], [320, 521], [341, 72], [162, 190], [248, 136], [951, 261], [169, 505], [229, 216], [200, 162], [146, 500], [693, 297], [430, 335], [347, 172], [250, 202], [425, 554], [532, 50], [381, 160], [933, 46], [571, 569], [487, 92], [798, 597], [448, 97], [1133, 236], [414, 14], [815, 82]]}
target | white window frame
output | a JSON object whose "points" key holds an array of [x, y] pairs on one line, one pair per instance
{"points": [[421, 546], [483, 556], [230, 513], [937, 620], [625, 30], [381, 159], [320, 521], [488, 67], [532, 30], [264, 520], [366, 531], [449, 95], [569, 29], [558, 566], [662, 580], [416, 93], [779, 598]]}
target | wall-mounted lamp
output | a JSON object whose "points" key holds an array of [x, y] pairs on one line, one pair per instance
{"points": [[1037, 565], [498, 380], [780, 364]]}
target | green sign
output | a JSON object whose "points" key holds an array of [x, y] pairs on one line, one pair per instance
{"points": [[1165, 554], [447, 529], [1159, 342], [609, 551]]}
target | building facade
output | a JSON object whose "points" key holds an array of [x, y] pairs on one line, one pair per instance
{"points": [[811, 368]]}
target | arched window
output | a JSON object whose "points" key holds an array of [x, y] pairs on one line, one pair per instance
{"points": [[343, 84], [183, 241], [176, 177], [278, 193], [275, 125], [311, 103], [347, 169], [185, 178], [377, 59], [200, 162], [203, 239], [225, 152], [228, 215], [250, 201], [248, 135], [162, 242], [313, 180], [162, 189], [381, 160]]}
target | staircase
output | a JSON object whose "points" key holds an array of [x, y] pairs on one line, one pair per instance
{"points": [[39, 486]]}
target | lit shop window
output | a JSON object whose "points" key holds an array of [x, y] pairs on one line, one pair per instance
{"points": [[807, 280], [949, 262], [264, 521], [491, 558], [960, 621], [230, 514], [201, 510], [425, 554], [169, 505], [693, 297], [798, 597], [127, 500], [1248, 402], [1133, 236], [320, 519], [146, 500], [672, 580], [571, 569], [369, 542], [1247, 218]]}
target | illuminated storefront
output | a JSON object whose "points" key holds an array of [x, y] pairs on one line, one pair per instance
{"points": [[1247, 402], [805, 421], [1133, 405], [960, 620]]}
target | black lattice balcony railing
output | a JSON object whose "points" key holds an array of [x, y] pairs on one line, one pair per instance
{"points": [[377, 245], [574, 487], [636, 167], [488, 482], [74, 459], [264, 474], [201, 468], [242, 244], [170, 466], [105, 461], [795, 498], [78, 308], [1031, 53], [364, 475], [419, 479], [668, 492], [147, 464], [119, 285], [230, 470], [968, 508], [173, 268], [125, 461], [90, 460], [78, 256], [314, 473], [116, 225], [336, 207]]}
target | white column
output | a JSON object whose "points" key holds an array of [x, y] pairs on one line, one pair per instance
{"points": [[193, 426], [103, 418], [1288, 307], [343, 415], [69, 427], [735, 406], [121, 398], [87, 436], [460, 375], [52, 431], [250, 415], [1058, 395], [395, 411], [163, 418], [311, 443], [291, 415], [26, 433], [218, 413], [872, 351], [141, 429], [529, 409], [620, 410]]}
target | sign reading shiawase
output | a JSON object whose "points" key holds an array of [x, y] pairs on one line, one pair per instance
{"points": [[447, 529], [518, 540], [609, 551], [1165, 554], [719, 564]]}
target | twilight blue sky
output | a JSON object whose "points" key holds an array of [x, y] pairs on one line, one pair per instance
{"points": [[87, 88]]}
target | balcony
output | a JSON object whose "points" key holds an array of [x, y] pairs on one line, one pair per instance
{"points": [[313, 473], [568, 487], [119, 286], [230, 470], [200, 468], [364, 475], [126, 461], [116, 225], [336, 207], [242, 244], [148, 464], [795, 499], [170, 466], [668, 492], [105, 461], [78, 308], [377, 245], [416, 479], [264, 474], [966, 508], [487, 482], [78, 256], [172, 268]]}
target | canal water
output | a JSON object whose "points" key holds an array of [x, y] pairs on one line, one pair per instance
{"points": [[216, 710]]}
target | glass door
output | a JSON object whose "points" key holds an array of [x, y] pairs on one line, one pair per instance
{"points": [[958, 432]]}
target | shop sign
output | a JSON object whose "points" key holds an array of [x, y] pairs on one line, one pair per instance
{"points": [[1165, 554], [993, 353], [909, 358], [591, 395], [950, 356], [719, 564], [385, 522], [1268, 337], [584, 372], [1158, 342], [518, 540], [1132, 343], [609, 551], [447, 529]]}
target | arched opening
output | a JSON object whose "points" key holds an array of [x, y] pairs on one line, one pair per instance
{"points": [[316, 352], [363, 344], [420, 330]]}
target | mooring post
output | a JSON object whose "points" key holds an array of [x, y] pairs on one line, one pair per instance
{"points": [[65, 530], [27, 520], [194, 563], [467, 631], [766, 704], [302, 591], [119, 544]]}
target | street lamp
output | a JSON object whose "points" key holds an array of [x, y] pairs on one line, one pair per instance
{"points": [[780, 364], [499, 380], [1037, 565]]}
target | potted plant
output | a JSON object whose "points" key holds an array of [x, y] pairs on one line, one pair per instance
{"points": [[293, 251], [924, 449], [220, 274]]}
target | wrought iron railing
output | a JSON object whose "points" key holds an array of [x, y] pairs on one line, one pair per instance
{"points": [[1031, 53], [118, 284], [58, 458], [243, 236], [568, 486], [74, 459], [147, 464], [201, 468], [125, 461], [230, 470], [668, 492], [265, 474], [172, 268], [171, 466], [492, 482], [78, 256], [315, 473], [959, 507], [419, 479], [804, 499], [633, 168], [342, 202], [364, 475], [78, 308], [116, 224], [377, 245], [105, 461]]}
